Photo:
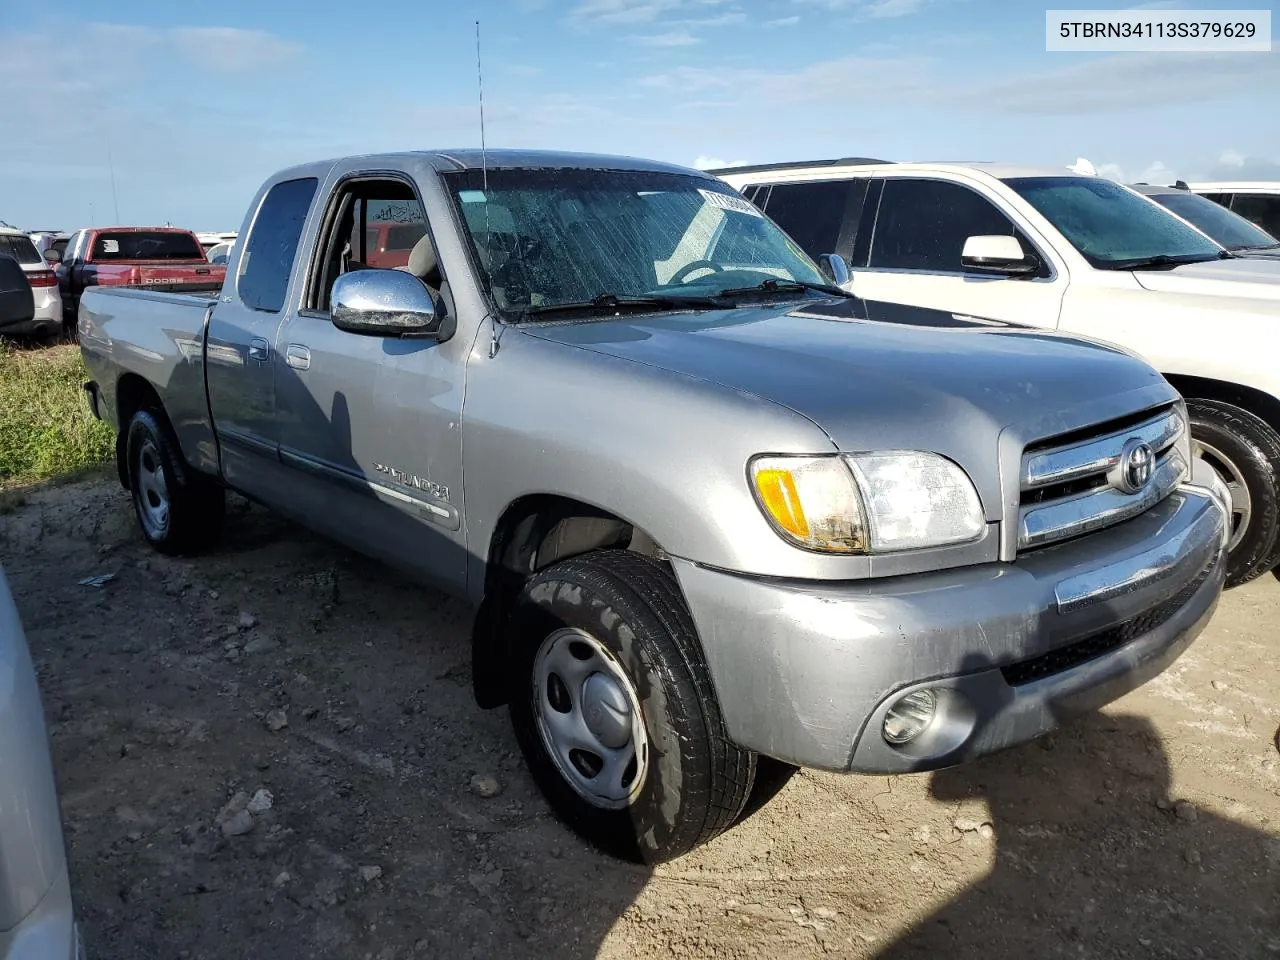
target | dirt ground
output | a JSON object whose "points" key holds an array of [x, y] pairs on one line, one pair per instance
{"points": [[1150, 830]]}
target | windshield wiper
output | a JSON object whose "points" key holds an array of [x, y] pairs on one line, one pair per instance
{"points": [[1164, 260], [774, 285], [1259, 246], [612, 303]]}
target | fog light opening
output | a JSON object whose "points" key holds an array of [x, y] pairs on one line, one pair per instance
{"points": [[910, 716]]}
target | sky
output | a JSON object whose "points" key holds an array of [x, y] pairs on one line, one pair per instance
{"points": [[188, 111]]}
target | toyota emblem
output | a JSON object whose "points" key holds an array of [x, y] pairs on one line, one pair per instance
{"points": [[1136, 462]]}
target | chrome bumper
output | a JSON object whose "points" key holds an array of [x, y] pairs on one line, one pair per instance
{"points": [[806, 671]]}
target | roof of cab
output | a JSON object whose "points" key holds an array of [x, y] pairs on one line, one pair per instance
{"points": [[472, 158], [833, 170]]}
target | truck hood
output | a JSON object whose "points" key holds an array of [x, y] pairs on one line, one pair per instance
{"points": [[1255, 278], [886, 376]]}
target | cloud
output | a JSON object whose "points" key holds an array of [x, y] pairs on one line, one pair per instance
{"points": [[591, 13], [1156, 172], [715, 163], [1112, 171], [889, 80], [782, 22], [720, 20], [1131, 81], [673, 38], [1234, 165], [871, 9], [231, 49]]}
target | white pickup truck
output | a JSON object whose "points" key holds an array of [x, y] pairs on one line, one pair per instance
{"points": [[1075, 253]]}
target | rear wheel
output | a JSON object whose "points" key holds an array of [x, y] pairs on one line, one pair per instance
{"points": [[1245, 452], [178, 510], [614, 709]]}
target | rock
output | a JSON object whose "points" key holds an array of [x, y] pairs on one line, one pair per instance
{"points": [[239, 801], [1219, 685], [1192, 857], [922, 834], [213, 594], [1186, 811], [1164, 803], [310, 713], [370, 873], [485, 786], [134, 836], [238, 825], [344, 724], [986, 831], [281, 879], [246, 621], [127, 815], [824, 913], [967, 824], [261, 642], [276, 720], [260, 802], [233, 654]]}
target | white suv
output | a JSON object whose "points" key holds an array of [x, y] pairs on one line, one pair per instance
{"points": [[1077, 253], [1256, 200], [44, 283]]}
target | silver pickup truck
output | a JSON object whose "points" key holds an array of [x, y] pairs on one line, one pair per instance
{"points": [[708, 506]]}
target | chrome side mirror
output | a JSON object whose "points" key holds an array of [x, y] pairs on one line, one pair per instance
{"points": [[384, 303], [834, 268]]}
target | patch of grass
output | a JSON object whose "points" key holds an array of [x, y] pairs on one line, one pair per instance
{"points": [[46, 429]]}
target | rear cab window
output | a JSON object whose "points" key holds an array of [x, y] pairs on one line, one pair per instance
{"points": [[267, 260], [144, 245], [1260, 208]]}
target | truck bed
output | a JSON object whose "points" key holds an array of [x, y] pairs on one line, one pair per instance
{"points": [[159, 337]]}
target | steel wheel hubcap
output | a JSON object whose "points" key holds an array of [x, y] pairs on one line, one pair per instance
{"points": [[1241, 501], [589, 718], [152, 493]]}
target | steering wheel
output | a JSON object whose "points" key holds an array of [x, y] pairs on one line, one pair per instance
{"points": [[688, 268]]}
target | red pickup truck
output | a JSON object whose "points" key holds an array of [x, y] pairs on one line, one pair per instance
{"points": [[157, 258]]}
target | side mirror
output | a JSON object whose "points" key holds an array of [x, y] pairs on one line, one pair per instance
{"points": [[998, 254], [383, 303], [52, 255], [834, 268]]}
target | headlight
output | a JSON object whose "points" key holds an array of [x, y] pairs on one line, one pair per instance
{"points": [[868, 502]]}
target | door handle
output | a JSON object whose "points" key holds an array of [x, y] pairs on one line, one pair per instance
{"points": [[258, 349], [298, 357]]}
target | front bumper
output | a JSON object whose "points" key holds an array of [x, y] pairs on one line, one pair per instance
{"points": [[805, 672], [49, 932]]}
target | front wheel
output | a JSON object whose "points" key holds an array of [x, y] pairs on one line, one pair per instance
{"points": [[1245, 453], [614, 709]]}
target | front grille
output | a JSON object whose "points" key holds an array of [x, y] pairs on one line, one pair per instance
{"points": [[1099, 644], [1075, 484]]}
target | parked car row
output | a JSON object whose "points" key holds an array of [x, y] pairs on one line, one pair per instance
{"points": [[1078, 254], [709, 504]]}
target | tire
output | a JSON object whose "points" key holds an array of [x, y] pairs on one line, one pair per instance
{"points": [[615, 624], [179, 511], [1245, 452]]}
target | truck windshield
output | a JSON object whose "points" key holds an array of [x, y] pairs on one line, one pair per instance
{"points": [[543, 237], [1229, 229], [141, 245], [1111, 226]]}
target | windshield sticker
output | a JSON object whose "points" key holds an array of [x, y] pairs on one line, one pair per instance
{"points": [[471, 196], [110, 246], [726, 202]]}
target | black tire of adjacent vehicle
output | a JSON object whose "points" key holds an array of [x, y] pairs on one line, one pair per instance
{"points": [[1254, 447], [632, 604], [197, 505]]}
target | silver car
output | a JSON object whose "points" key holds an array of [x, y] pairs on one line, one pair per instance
{"points": [[44, 283], [37, 921]]}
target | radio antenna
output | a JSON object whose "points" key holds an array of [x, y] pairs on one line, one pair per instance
{"points": [[484, 160], [111, 167]]}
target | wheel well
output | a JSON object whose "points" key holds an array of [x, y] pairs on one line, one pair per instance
{"points": [[133, 393], [1260, 404], [533, 533]]}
